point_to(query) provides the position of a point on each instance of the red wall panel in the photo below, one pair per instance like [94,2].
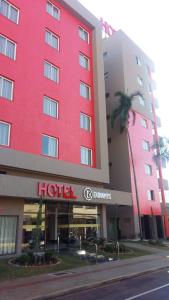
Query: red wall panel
[25,112]
[142,157]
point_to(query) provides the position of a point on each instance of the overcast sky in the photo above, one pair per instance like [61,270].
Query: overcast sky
[146,22]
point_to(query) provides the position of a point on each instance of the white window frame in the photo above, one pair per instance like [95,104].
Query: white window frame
[6,40]
[57,145]
[52,66]
[81,29]
[87,86]
[57,107]
[146,145]
[86,116]
[1,88]
[52,35]
[53,6]
[90,150]
[81,55]
[11,5]
[144,123]
[148,169]
[149,195]
[140,80]
[9,132]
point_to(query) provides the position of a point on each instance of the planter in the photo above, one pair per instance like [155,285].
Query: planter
[12,262]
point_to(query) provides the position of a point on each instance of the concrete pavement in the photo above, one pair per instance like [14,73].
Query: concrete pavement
[42,286]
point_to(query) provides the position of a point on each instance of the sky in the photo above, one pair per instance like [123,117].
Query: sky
[146,22]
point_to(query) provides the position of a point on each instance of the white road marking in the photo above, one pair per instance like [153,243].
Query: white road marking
[148,292]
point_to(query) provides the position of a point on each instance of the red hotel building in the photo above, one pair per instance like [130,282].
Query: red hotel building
[53,135]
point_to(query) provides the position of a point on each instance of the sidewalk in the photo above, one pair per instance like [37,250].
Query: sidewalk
[42,286]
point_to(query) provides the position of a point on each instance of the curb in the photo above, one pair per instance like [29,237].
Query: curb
[95,284]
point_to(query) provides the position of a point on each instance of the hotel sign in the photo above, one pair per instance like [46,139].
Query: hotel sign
[106,27]
[52,190]
[89,194]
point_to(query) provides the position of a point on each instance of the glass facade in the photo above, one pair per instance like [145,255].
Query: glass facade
[67,220]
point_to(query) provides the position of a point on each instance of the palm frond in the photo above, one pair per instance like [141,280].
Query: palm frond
[135,94]
[123,110]
[162,147]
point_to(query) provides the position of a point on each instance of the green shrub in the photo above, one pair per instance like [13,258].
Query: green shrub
[155,242]
[24,259]
[50,257]
[122,248]
[108,248]
[112,248]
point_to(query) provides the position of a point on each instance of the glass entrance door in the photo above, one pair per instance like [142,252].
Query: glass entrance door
[78,221]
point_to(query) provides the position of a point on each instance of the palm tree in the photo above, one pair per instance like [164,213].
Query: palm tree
[122,113]
[162,147]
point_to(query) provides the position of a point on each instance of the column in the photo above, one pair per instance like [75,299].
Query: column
[103,221]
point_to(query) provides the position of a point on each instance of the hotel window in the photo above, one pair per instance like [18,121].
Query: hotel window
[86,156]
[9,11]
[6,88]
[143,123]
[4,133]
[148,169]
[8,233]
[141,100]
[84,35]
[7,47]
[51,72]
[84,90]
[51,39]
[85,122]
[53,10]
[84,61]
[150,195]
[139,80]
[138,61]
[49,146]
[50,107]
[146,145]
[105,54]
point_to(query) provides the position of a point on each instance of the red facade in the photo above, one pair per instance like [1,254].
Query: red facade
[25,111]
[145,182]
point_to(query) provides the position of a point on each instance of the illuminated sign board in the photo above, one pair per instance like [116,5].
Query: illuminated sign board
[106,27]
[53,190]
[89,194]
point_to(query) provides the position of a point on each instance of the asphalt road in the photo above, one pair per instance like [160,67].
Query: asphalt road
[152,286]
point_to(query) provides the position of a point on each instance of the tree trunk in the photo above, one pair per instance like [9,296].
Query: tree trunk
[135,184]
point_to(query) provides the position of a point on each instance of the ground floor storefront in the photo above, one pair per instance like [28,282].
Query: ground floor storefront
[71,212]
[152,227]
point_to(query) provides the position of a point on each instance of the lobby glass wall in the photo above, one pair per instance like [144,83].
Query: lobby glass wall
[68,220]
[30,221]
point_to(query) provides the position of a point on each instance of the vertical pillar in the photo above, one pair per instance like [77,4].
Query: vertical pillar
[103,222]
[136,227]
[154,228]
[56,224]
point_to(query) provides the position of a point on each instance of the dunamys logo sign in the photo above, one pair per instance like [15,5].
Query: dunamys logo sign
[90,194]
